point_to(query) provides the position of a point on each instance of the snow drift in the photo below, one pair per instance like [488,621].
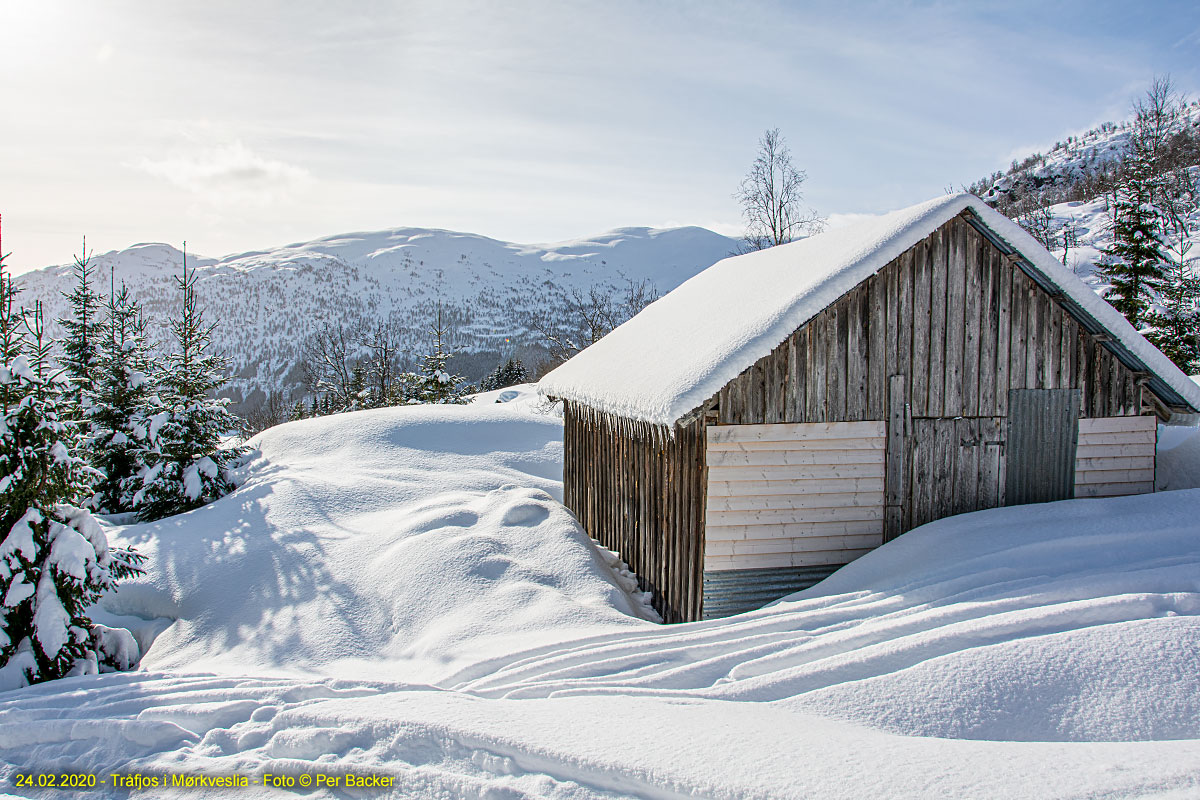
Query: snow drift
[418,532]
[397,592]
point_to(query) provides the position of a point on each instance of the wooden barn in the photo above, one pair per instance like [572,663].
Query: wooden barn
[784,412]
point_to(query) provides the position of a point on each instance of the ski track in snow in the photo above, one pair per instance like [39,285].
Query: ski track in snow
[1047,651]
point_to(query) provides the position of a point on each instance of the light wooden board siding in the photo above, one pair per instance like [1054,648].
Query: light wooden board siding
[1115,456]
[788,494]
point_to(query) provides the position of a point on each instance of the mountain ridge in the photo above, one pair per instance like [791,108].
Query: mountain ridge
[496,295]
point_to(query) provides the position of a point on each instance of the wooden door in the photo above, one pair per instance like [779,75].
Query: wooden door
[954,466]
[1043,430]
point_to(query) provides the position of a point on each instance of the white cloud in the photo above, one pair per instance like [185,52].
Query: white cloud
[229,174]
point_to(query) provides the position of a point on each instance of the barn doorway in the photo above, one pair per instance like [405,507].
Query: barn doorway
[955,466]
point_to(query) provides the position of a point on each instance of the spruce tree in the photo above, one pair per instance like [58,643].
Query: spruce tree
[510,373]
[54,558]
[1135,264]
[188,465]
[121,404]
[433,382]
[1177,326]
[81,334]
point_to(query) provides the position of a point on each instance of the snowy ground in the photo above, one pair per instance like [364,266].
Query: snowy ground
[399,593]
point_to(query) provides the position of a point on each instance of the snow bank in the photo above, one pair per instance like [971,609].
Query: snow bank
[459,635]
[1178,462]
[680,350]
[421,533]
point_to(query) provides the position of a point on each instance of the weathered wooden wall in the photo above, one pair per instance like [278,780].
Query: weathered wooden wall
[640,492]
[958,320]
[793,495]
[1115,456]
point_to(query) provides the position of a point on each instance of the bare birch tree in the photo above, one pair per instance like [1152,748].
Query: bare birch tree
[772,197]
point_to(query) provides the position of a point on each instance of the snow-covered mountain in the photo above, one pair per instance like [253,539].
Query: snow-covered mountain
[267,302]
[1063,196]
[1074,170]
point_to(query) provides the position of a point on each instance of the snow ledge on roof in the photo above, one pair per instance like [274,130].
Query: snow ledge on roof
[682,349]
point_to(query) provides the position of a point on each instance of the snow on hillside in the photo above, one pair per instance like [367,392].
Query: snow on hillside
[398,593]
[1068,163]
[266,302]
[1079,229]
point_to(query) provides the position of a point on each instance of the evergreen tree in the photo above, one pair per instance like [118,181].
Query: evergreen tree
[1136,262]
[188,464]
[433,382]
[81,337]
[54,558]
[122,402]
[510,373]
[1177,327]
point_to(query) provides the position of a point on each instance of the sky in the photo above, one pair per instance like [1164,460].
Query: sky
[243,125]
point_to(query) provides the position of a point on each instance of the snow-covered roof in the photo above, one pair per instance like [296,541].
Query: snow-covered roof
[682,349]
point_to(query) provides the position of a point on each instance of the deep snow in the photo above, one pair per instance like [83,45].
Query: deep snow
[398,592]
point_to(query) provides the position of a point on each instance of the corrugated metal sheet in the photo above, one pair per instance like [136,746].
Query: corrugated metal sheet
[1043,430]
[729,592]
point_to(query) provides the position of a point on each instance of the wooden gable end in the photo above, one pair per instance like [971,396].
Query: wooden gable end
[959,320]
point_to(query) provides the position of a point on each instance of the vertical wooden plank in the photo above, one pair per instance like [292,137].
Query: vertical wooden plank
[1100,375]
[1083,371]
[815,401]
[989,314]
[966,473]
[892,303]
[775,377]
[904,303]
[1067,370]
[697,465]
[1019,340]
[989,462]
[1131,399]
[894,489]
[923,449]
[955,320]
[791,380]
[835,373]
[877,371]
[1035,345]
[938,265]
[972,321]
[858,355]
[944,467]
[1003,328]
[1054,358]
[800,351]
[1116,386]
[919,383]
